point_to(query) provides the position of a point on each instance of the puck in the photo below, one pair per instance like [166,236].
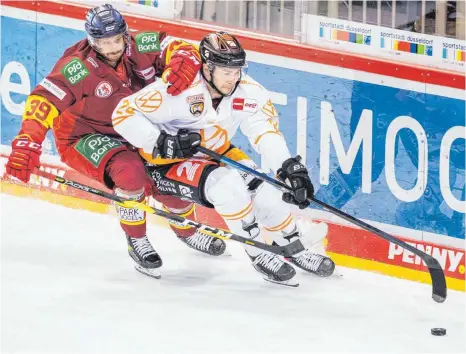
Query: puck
[438,331]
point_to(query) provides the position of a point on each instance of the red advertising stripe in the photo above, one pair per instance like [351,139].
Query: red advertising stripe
[363,244]
[268,46]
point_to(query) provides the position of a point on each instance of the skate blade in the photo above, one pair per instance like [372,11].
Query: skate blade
[290,282]
[207,255]
[152,272]
[225,254]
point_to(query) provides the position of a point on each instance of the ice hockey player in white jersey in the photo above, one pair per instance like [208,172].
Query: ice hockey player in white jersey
[222,99]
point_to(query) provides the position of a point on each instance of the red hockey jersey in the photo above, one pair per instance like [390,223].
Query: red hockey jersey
[80,93]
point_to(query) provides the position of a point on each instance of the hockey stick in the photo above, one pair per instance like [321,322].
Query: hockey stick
[284,251]
[439,286]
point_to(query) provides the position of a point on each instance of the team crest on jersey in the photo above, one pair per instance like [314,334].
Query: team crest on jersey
[196,104]
[244,104]
[196,108]
[103,89]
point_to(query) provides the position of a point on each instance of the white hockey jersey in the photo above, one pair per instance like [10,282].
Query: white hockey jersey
[139,118]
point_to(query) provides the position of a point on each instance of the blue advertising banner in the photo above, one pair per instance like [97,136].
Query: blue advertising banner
[381,153]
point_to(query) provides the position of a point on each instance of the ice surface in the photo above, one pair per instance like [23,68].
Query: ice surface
[68,286]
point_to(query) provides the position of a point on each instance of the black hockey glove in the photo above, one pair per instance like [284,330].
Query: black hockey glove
[297,176]
[179,146]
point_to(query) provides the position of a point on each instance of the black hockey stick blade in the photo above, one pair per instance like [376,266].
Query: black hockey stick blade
[439,285]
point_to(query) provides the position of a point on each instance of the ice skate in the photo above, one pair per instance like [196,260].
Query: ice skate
[146,259]
[205,243]
[311,262]
[271,266]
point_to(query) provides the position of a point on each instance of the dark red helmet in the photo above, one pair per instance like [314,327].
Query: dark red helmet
[222,49]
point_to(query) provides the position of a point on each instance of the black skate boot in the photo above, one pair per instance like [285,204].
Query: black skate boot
[310,262]
[205,243]
[146,259]
[198,239]
[271,266]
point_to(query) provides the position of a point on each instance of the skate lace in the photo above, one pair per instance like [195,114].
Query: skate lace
[200,241]
[143,247]
[269,261]
[309,260]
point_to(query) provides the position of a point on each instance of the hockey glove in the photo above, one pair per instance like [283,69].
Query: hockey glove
[24,158]
[181,70]
[179,146]
[296,175]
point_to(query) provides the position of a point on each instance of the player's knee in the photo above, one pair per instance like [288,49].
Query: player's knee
[174,204]
[127,171]
[224,185]
[269,199]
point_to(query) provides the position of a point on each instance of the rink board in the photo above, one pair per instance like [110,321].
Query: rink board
[384,141]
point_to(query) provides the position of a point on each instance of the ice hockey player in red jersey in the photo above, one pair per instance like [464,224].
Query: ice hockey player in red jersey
[76,101]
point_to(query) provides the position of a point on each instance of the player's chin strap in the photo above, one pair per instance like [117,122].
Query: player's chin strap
[285,251]
[439,287]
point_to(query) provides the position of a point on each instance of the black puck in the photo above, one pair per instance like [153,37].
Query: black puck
[438,331]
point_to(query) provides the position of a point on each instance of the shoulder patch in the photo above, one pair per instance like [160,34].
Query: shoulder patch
[52,88]
[244,104]
[93,62]
[75,71]
[147,42]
